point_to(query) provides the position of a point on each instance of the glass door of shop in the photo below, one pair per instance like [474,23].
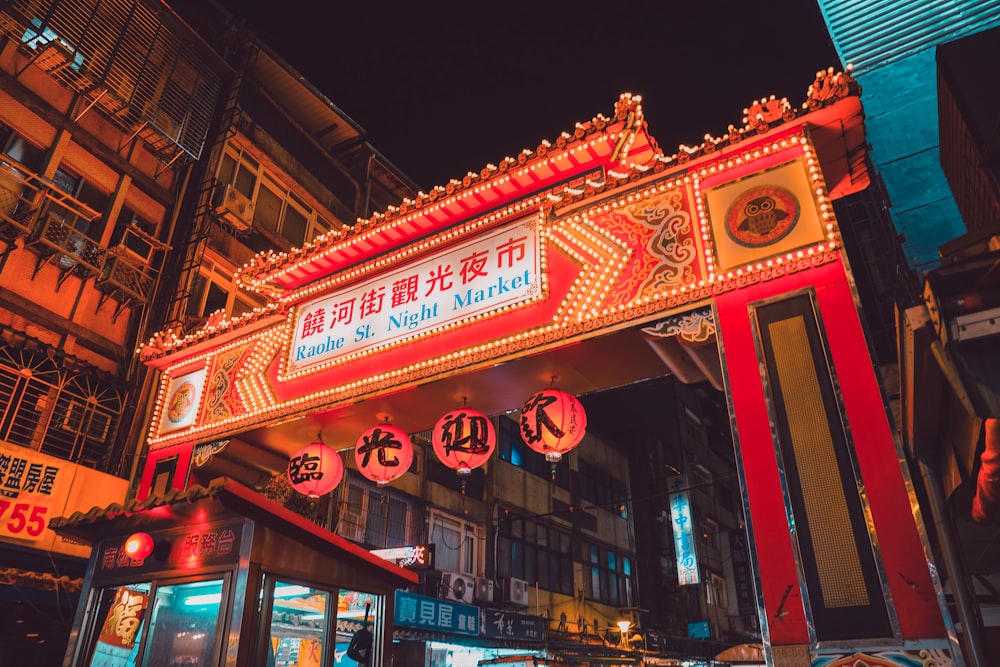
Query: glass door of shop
[158,624]
[312,627]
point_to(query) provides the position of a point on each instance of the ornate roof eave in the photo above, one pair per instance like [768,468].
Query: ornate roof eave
[176,507]
[618,143]
[832,112]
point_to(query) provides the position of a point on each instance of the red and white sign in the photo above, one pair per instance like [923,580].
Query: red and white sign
[496,270]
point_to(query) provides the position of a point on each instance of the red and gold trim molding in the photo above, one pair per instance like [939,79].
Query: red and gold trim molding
[558,173]
[616,259]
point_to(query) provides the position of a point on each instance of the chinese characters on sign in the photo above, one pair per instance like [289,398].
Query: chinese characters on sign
[742,573]
[35,487]
[425,613]
[508,625]
[29,495]
[497,269]
[116,642]
[414,557]
[680,521]
[124,618]
[210,545]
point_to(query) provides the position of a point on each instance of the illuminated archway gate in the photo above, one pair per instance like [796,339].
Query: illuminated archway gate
[600,233]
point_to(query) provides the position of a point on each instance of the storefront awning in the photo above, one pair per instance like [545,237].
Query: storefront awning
[223,497]
[743,654]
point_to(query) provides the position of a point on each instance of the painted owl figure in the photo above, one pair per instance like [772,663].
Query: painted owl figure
[761,216]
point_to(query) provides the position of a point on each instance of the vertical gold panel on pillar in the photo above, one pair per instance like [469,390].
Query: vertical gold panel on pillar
[841,580]
[837,560]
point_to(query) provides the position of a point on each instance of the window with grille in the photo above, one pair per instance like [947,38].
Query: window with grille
[377,517]
[74,416]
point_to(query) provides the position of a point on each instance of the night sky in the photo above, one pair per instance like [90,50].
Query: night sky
[446,88]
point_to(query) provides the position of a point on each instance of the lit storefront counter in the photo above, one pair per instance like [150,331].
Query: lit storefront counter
[224,576]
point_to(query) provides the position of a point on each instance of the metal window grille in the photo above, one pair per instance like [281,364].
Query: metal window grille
[70,415]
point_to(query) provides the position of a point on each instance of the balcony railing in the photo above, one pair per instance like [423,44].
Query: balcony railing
[137,63]
[32,208]
[67,248]
[126,275]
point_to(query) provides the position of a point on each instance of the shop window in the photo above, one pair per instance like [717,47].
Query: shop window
[709,533]
[701,478]
[377,517]
[121,620]
[84,414]
[385,524]
[184,624]
[356,611]
[163,624]
[72,416]
[82,219]
[20,150]
[19,185]
[29,385]
[299,624]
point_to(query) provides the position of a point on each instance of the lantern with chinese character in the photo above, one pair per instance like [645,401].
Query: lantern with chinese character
[553,423]
[464,439]
[383,453]
[315,470]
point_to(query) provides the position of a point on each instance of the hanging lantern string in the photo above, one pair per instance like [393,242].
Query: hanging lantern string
[465,510]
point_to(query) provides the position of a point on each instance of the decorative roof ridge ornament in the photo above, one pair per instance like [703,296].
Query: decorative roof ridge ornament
[766,114]
[165,341]
[628,121]
[831,86]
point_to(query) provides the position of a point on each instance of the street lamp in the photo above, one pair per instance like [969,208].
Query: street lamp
[623,626]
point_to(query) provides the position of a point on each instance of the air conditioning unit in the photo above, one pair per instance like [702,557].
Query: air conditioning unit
[515,591]
[458,587]
[484,590]
[234,207]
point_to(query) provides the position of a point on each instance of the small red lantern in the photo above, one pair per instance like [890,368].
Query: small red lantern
[139,546]
[553,423]
[464,439]
[383,453]
[315,470]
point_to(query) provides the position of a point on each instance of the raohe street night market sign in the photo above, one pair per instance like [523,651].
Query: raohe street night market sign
[497,269]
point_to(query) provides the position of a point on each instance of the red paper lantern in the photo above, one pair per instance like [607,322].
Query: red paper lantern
[315,470]
[464,439]
[383,453]
[139,546]
[553,423]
